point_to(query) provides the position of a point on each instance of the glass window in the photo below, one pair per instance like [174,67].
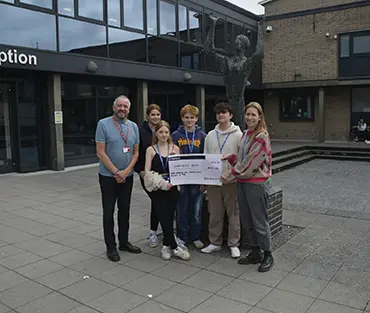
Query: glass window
[133,14]
[151,13]
[10,1]
[162,51]
[361,44]
[127,45]
[195,29]
[40,32]
[91,9]
[106,95]
[219,32]
[40,3]
[183,23]
[361,100]
[167,17]
[66,7]
[114,12]
[82,37]
[344,46]
[191,57]
[296,106]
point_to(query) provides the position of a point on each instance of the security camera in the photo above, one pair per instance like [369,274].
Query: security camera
[269,29]
[327,35]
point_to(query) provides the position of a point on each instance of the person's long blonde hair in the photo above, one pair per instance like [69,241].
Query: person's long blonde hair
[261,126]
[158,126]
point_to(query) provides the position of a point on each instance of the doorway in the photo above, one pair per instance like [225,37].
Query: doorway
[6,133]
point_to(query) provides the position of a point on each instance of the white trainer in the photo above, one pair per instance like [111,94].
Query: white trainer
[198,244]
[211,248]
[181,253]
[166,253]
[153,240]
[235,252]
[180,243]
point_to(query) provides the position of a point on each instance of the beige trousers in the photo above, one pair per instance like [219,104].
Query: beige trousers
[223,199]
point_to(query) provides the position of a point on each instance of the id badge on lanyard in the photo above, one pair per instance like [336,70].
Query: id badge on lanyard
[126,148]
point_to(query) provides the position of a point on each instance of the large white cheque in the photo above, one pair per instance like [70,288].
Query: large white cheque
[195,169]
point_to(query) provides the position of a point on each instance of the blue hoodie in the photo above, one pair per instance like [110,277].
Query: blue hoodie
[179,139]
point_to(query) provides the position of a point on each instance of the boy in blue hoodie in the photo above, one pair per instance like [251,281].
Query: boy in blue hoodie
[190,139]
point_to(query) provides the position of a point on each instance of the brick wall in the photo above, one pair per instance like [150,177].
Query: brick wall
[299,46]
[287,6]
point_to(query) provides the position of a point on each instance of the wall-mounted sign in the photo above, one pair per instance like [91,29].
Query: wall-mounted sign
[13,57]
[58,117]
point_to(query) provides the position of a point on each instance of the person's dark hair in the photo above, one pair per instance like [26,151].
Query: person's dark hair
[223,107]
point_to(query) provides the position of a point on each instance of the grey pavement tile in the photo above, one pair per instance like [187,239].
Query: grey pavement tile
[19,260]
[10,279]
[340,213]
[4,309]
[284,263]
[42,247]
[244,291]
[117,301]
[258,310]
[154,307]
[86,290]
[359,259]
[329,222]
[59,236]
[83,229]
[61,279]
[3,269]
[51,303]
[368,307]
[285,302]
[198,259]
[93,266]
[83,309]
[77,241]
[9,250]
[296,251]
[42,230]
[317,270]
[362,215]
[97,248]
[208,281]
[38,269]
[354,277]
[271,278]
[320,306]
[68,224]
[148,285]
[23,293]
[175,271]
[146,263]
[120,275]
[12,235]
[217,304]
[70,257]
[345,295]
[304,285]
[183,298]
[229,267]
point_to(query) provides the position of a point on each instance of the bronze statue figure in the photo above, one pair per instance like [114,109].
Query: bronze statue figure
[237,68]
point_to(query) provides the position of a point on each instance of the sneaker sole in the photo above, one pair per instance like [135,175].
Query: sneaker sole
[153,245]
[209,252]
[267,269]
[249,262]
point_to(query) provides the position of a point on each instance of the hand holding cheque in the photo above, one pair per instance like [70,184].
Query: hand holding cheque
[195,169]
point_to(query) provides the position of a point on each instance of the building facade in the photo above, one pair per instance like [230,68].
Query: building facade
[316,68]
[63,62]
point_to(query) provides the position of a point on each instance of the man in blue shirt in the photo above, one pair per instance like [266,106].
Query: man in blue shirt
[117,147]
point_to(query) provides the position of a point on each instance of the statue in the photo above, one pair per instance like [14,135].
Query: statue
[236,68]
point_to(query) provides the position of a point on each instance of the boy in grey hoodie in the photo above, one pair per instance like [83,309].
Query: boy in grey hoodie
[223,139]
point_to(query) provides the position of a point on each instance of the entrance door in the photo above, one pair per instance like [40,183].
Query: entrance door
[6,153]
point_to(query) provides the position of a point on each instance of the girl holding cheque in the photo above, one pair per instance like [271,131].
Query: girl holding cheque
[164,196]
[252,170]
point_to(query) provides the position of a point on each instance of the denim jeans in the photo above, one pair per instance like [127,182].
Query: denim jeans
[189,213]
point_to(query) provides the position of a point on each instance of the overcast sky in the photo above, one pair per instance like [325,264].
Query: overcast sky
[250,5]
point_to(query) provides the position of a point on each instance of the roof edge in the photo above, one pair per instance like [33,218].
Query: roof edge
[263,2]
[236,8]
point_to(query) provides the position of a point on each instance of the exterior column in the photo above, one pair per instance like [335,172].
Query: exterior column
[201,103]
[142,100]
[321,115]
[56,122]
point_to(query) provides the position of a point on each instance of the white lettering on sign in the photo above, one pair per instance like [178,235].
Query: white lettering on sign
[12,57]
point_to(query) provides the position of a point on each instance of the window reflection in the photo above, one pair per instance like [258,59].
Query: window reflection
[40,32]
[91,9]
[82,37]
[167,17]
[127,45]
[106,96]
[162,51]
[66,7]
[10,1]
[195,28]
[219,32]
[40,3]
[183,23]
[151,12]
[191,57]
[114,12]
[133,15]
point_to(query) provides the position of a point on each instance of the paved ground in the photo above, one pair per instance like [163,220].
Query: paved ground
[52,256]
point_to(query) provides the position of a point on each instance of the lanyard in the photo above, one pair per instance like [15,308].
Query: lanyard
[161,158]
[223,144]
[245,145]
[120,130]
[192,143]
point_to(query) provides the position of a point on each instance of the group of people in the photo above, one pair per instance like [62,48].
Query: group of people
[362,131]
[123,147]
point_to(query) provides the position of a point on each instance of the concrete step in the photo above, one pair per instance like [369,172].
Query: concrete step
[291,163]
[289,156]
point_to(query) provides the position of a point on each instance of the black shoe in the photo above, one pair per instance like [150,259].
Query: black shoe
[113,255]
[130,248]
[267,263]
[254,257]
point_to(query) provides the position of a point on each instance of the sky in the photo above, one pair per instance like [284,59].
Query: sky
[250,5]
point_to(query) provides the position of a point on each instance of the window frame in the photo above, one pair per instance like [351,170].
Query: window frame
[284,95]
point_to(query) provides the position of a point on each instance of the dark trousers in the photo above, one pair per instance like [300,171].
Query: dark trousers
[154,221]
[164,205]
[113,192]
